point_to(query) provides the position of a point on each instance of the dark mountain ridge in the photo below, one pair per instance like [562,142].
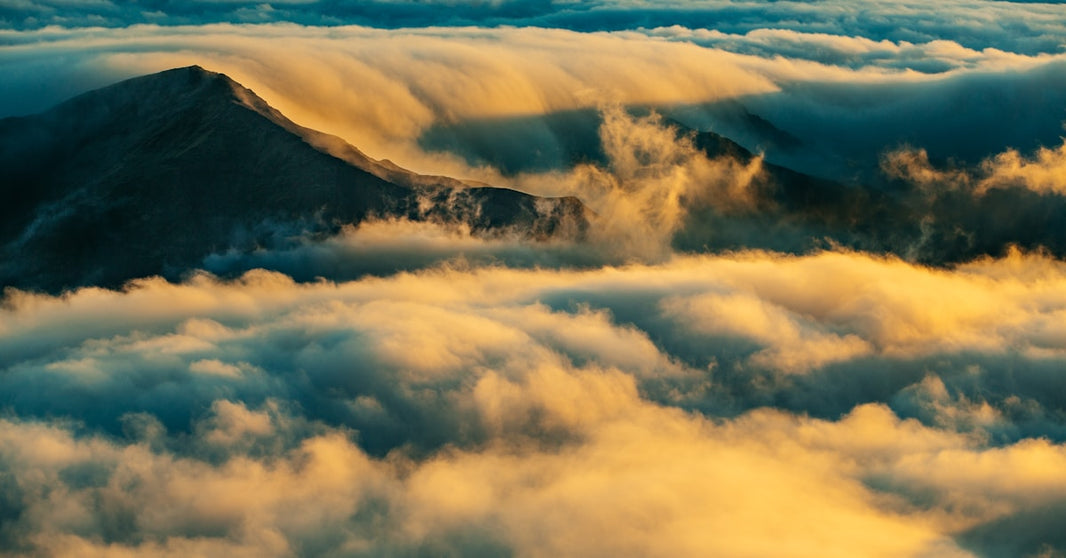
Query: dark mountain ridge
[936,224]
[150,175]
[792,211]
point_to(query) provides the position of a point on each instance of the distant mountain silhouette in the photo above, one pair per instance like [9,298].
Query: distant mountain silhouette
[150,175]
[939,225]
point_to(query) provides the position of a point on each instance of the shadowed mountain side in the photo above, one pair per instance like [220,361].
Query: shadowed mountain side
[150,175]
[792,210]
[561,139]
[797,212]
[523,143]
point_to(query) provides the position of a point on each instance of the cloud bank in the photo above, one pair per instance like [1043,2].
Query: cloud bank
[1024,27]
[500,411]
[736,361]
[823,103]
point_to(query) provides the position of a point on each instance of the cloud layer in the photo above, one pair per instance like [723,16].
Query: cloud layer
[824,103]
[1024,27]
[411,389]
[502,411]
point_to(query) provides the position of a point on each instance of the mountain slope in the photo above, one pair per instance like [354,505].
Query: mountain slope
[150,175]
[937,224]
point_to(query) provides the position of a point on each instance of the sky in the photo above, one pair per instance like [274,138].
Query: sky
[699,376]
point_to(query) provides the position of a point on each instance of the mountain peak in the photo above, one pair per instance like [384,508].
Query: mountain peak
[194,74]
[153,174]
[194,77]
[195,68]
[150,96]
[191,77]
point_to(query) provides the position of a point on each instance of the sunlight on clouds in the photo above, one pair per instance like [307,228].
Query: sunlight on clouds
[652,178]
[471,409]
[639,198]
[1043,172]
[794,344]
[804,311]
[690,488]
[424,389]
[931,56]
[379,89]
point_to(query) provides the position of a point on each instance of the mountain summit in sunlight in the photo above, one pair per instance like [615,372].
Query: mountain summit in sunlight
[151,175]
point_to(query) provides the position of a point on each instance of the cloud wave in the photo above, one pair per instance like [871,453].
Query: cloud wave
[497,410]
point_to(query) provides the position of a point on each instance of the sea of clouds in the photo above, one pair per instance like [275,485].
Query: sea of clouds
[411,389]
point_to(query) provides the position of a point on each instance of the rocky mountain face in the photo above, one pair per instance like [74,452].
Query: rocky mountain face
[150,175]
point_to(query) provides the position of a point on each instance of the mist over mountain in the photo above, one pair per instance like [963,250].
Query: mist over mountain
[937,221]
[151,175]
[187,169]
[754,279]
